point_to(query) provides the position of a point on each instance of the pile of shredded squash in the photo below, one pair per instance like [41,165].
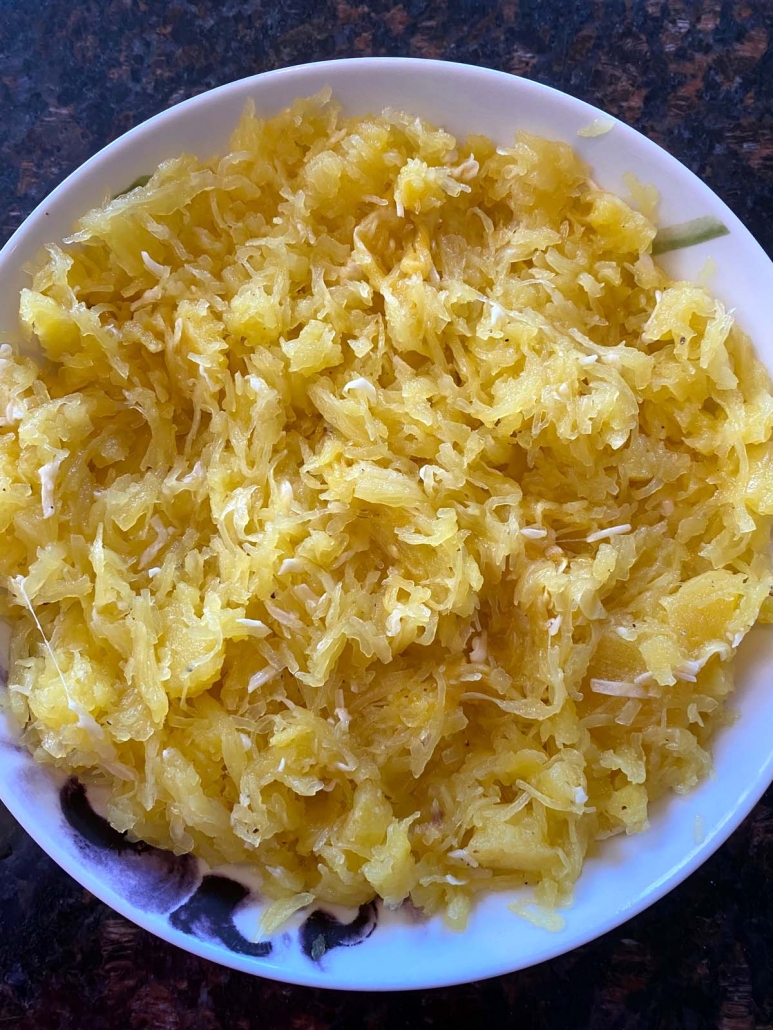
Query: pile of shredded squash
[379,513]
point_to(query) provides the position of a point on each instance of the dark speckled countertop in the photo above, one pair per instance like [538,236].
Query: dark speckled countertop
[697,77]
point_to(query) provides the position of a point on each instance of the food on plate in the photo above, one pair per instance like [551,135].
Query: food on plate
[378,513]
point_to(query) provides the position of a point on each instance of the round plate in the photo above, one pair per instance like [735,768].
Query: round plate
[215,913]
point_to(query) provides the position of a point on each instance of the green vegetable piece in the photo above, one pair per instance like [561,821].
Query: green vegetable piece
[318,948]
[141,180]
[687,234]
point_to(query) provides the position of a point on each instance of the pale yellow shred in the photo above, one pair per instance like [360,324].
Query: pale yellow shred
[279,911]
[645,196]
[544,918]
[699,829]
[391,517]
[598,127]
[708,272]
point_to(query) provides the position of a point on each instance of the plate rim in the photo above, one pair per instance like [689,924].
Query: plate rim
[554,946]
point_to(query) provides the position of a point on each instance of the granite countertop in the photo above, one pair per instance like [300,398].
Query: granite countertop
[695,76]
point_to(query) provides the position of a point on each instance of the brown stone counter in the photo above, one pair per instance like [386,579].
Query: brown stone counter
[696,77]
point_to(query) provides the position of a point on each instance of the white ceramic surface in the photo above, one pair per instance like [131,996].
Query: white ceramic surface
[628,874]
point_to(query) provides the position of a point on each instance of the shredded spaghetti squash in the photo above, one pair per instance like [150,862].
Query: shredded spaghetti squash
[379,513]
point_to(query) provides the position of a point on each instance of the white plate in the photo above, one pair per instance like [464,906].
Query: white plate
[214,918]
